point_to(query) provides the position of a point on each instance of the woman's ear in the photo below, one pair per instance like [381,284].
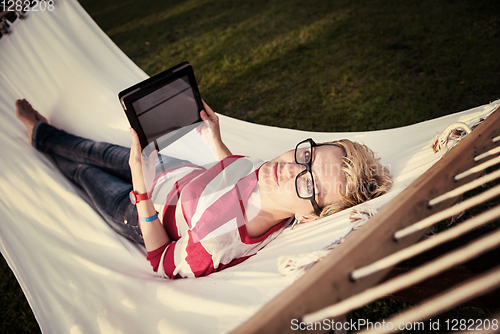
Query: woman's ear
[306,218]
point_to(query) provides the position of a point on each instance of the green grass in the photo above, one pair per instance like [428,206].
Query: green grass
[15,314]
[322,65]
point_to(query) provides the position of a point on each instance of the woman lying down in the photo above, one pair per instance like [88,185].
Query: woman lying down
[195,220]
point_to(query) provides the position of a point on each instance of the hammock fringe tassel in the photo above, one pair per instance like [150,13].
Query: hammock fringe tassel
[297,264]
[453,132]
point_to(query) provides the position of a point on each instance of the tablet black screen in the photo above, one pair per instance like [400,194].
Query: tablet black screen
[167,109]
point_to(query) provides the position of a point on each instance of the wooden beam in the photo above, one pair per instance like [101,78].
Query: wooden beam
[328,281]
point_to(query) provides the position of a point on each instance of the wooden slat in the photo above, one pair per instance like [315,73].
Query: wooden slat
[429,244]
[450,278]
[328,281]
[420,274]
[446,300]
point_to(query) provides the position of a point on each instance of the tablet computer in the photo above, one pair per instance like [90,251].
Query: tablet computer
[164,107]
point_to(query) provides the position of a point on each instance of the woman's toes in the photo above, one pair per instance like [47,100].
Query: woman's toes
[25,113]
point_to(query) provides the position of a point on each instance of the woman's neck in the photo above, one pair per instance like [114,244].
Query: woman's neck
[260,225]
[264,218]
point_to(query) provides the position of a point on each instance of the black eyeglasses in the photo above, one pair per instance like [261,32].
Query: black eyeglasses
[304,182]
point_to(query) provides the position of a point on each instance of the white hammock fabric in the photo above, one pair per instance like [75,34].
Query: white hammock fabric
[77,274]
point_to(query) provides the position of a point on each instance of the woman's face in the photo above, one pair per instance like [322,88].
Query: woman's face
[277,181]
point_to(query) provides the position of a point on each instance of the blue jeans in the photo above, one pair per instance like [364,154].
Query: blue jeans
[100,169]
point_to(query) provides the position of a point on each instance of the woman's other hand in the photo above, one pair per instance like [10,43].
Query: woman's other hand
[209,116]
[210,131]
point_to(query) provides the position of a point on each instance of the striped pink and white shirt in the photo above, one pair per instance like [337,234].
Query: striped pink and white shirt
[203,213]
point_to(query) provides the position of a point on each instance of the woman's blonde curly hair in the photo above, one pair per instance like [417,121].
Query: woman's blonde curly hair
[365,176]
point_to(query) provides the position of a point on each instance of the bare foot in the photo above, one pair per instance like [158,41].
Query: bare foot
[28,115]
